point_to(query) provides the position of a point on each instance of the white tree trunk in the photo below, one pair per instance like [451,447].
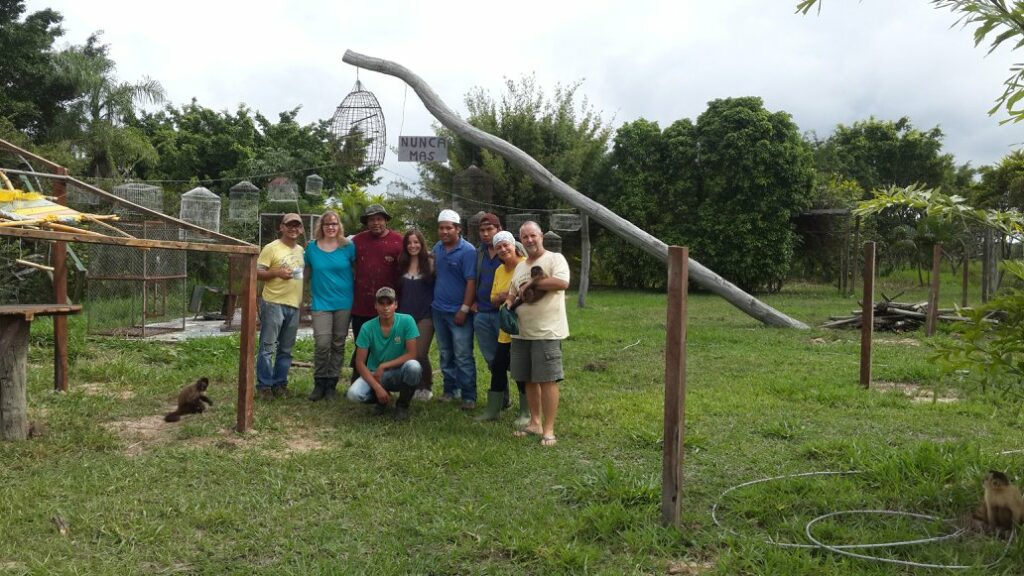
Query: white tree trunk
[617,224]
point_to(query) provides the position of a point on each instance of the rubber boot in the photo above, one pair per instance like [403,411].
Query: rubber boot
[330,388]
[506,401]
[493,408]
[319,390]
[402,405]
[524,412]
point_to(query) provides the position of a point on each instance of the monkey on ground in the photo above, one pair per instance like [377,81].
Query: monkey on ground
[531,293]
[1002,508]
[190,400]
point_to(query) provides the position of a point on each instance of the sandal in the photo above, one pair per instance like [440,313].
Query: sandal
[548,440]
[526,431]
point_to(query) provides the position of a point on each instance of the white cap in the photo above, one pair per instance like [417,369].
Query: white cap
[449,216]
[503,236]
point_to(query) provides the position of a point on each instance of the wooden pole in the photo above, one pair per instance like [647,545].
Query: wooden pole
[933,294]
[584,261]
[853,252]
[867,314]
[247,350]
[986,264]
[625,229]
[964,285]
[58,259]
[675,387]
[13,366]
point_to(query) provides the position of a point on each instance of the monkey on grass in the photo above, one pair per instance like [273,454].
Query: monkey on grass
[1002,508]
[531,293]
[190,400]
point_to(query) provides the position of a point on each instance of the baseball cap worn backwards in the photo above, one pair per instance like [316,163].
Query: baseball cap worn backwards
[449,216]
[490,218]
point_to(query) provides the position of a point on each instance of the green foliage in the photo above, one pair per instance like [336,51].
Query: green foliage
[1002,185]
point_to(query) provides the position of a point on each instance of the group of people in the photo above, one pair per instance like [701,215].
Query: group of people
[398,295]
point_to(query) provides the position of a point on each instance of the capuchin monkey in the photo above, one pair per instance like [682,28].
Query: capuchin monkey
[531,294]
[1004,507]
[190,400]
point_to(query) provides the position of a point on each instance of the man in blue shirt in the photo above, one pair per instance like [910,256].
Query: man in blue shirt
[454,292]
[386,358]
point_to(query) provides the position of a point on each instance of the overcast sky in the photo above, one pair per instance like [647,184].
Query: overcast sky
[660,60]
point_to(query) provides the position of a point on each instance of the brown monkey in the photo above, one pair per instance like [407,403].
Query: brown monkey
[531,294]
[190,400]
[1004,506]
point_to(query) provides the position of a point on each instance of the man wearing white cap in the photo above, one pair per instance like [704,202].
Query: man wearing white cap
[454,291]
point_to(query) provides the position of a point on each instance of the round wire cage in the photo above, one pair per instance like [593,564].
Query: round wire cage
[552,241]
[566,221]
[201,207]
[243,201]
[314,185]
[282,191]
[145,195]
[514,221]
[473,184]
[358,124]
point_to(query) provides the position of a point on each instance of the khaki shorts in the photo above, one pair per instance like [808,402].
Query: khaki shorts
[536,360]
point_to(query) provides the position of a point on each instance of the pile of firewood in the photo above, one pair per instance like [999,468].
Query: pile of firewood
[892,316]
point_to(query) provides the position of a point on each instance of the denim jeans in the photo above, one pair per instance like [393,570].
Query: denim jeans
[278,326]
[455,348]
[406,376]
[486,326]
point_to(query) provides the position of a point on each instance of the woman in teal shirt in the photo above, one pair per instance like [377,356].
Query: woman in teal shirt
[329,259]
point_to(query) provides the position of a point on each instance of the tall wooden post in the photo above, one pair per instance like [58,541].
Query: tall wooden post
[58,259]
[675,387]
[933,294]
[986,266]
[853,255]
[584,261]
[247,349]
[867,315]
[13,367]
[965,283]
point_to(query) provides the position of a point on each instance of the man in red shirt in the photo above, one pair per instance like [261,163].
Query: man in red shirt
[376,266]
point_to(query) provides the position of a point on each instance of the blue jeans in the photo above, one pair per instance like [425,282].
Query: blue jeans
[278,326]
[486,326]
[455,348]
[406,376]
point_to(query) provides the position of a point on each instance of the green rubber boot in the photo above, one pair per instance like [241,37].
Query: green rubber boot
[524,413]
[493,408]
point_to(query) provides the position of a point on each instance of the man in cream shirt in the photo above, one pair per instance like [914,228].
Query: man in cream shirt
[279,266]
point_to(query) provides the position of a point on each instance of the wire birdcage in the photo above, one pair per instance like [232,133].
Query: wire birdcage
[145,195]
[472,184]
[133,292]
[79,199]
[514,221]
[566,221]
[282,191]
[314,185]
[358,123]
[552,241]
[201,207]
[243,201]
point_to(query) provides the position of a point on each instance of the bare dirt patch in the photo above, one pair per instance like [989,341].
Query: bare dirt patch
[897,341]
[915,392]
[103,389]
[142,433]
[685,568]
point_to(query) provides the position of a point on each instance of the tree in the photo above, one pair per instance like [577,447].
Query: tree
[991,19]
[567,137]
[32,89]
[1002,185]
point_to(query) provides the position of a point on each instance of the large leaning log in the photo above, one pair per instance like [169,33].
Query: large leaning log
[617,224]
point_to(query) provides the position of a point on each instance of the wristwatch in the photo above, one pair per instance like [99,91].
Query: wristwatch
[464,309]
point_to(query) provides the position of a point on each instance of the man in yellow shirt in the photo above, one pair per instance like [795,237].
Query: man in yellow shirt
[279,266]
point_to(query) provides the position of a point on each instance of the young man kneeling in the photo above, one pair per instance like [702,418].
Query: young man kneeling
[386,358]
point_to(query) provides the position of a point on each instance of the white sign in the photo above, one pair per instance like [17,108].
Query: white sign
[422,149]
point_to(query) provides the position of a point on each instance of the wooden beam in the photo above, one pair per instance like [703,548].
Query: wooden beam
[59,259]
[933,294]
[134,242]
[584,261]
[13,372]
[675,388]
[247,349]
[5,145]
[867,314]
[617,224]
[965,283]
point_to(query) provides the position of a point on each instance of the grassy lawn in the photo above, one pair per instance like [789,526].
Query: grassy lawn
[329,488]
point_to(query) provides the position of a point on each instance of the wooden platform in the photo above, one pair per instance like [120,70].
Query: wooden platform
[30,311]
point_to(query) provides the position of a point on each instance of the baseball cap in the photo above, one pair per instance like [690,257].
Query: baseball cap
[447,215]
[490,218]
[291,217]
[386,292]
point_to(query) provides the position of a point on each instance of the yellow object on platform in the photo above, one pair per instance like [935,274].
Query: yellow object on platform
[19,205]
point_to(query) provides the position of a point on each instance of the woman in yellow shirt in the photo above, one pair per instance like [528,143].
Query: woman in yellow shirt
[505,244]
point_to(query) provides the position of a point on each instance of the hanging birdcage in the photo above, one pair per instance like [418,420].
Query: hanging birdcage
[145,195]
[243,202]
[358,124]
[552,241]
[472,184]
[566,221]
[514,221]
[282,191]
[201,207]
[314,185]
